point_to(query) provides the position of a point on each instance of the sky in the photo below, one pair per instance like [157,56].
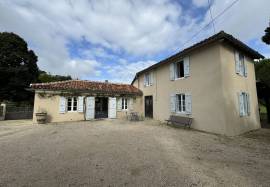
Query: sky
[114,39]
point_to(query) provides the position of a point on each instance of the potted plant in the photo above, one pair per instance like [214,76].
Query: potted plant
[41,117]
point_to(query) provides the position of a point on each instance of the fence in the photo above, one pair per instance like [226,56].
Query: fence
[18,111]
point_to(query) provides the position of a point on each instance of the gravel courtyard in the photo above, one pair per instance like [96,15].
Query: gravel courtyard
[121,153]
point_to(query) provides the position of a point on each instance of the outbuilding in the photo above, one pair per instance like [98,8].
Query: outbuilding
[76,100]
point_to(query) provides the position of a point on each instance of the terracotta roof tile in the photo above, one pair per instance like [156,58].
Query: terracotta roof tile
[88,86]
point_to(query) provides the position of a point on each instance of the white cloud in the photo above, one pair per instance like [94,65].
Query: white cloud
[82,68]
[125,72]
[136,28]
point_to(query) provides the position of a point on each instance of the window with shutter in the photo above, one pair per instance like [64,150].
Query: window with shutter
[72,104]
[244,104]
[181,103]
[240,64]
[147,79]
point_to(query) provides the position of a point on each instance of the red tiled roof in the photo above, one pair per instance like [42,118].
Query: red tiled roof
[88,86]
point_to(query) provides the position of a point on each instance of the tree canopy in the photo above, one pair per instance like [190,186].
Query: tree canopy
[266,37]
[262,69]
[18,67]
[47,77]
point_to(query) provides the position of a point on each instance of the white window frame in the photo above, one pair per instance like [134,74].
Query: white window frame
[124,103]
[181,104]
[72,104]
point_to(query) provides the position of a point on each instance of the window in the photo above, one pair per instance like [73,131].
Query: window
[72,104]
[244,104]
[179,69]
[124,104]
[148,79]
[180,103]
[241,68]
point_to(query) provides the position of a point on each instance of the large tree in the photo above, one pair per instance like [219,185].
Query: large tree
[18,68]
[263,83]
[266,37]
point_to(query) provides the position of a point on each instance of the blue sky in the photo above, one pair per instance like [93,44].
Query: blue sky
[113,39]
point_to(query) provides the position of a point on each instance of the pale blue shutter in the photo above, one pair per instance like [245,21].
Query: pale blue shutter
[186,67]
[130,107]
[119,103]
[241,104]
[112,107]
[80,104]
[188,103]
[144,80]
[172,71]
[245,66]
[90,108]
[237,62]
[62,105]
[248,104]
[151,78]
[173,103]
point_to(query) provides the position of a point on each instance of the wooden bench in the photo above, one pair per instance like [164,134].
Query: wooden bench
[179,120]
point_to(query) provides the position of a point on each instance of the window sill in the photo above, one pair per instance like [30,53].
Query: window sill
[181,78]
[245,115]
[241,75]
[72,111]
[183,113]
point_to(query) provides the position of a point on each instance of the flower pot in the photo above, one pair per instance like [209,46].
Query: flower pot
[41,117]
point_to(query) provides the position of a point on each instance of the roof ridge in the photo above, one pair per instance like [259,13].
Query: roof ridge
[76,80]
[220,35]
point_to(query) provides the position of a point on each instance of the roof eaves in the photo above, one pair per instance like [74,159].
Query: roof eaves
[214,38]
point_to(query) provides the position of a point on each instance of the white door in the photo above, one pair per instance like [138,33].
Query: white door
[90,108]
[112,107]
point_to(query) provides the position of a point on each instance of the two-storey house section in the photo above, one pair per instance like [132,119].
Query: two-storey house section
[213,82]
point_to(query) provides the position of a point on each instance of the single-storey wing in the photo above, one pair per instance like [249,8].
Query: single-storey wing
[75,100]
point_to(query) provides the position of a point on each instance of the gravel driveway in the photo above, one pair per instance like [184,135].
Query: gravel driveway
[121,153]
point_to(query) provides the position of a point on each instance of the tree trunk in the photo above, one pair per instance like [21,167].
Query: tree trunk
[267,104]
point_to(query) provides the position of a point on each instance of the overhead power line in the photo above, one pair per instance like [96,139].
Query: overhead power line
[210,11]
[220,14]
